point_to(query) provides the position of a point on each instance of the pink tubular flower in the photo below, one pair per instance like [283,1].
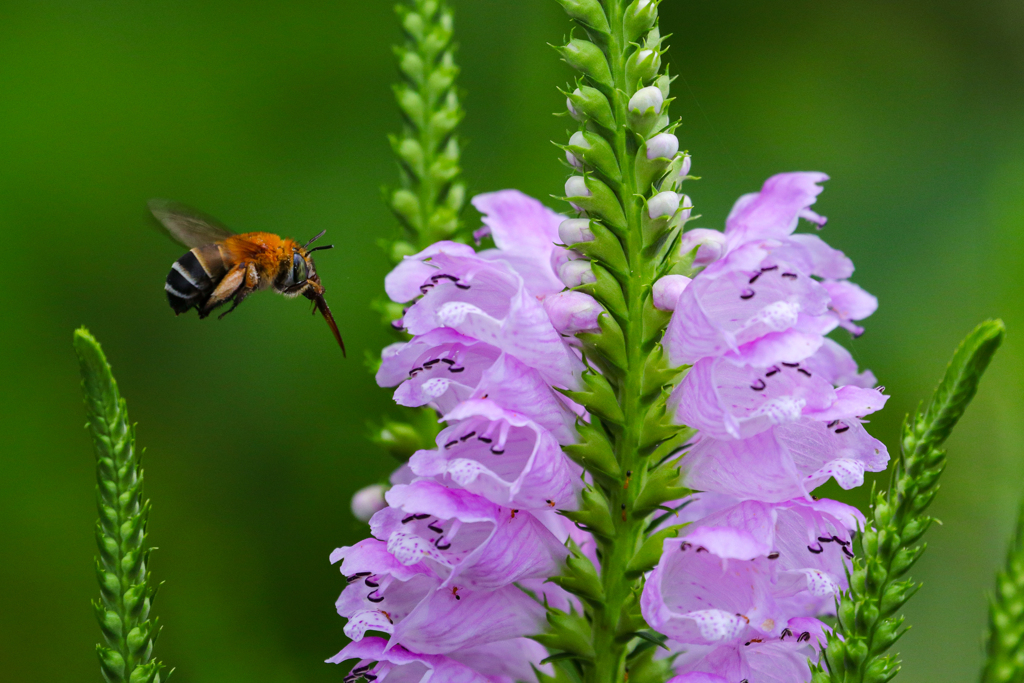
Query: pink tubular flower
[503,456]
[757,300]
[776,660]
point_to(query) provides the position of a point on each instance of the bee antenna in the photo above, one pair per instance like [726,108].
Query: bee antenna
[326,246]
[321,234]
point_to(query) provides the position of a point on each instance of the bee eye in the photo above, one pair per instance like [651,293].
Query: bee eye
[298,269]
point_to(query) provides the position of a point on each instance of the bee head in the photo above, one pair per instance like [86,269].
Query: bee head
[299,277]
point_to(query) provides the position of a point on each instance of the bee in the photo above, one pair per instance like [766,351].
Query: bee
[222,267]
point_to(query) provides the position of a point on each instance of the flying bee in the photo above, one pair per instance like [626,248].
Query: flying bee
[222,267]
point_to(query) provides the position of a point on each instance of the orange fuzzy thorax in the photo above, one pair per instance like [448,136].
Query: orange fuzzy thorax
[265,250]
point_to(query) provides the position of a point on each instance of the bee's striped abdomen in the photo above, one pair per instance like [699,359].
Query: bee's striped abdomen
[193,278]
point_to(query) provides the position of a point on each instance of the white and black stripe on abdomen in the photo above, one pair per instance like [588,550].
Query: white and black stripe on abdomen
[189,283]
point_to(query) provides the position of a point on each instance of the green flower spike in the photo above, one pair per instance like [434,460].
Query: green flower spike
[1004,644]
[126,594]
[868,613]
[431,195]
[629,224]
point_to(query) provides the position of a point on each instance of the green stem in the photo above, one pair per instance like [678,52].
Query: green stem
[1004,643]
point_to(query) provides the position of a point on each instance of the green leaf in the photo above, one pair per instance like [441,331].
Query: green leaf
[649,554]
[1004,640]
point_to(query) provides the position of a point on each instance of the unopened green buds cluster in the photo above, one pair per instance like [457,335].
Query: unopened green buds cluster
[868,613]
[126,594]
[431,196]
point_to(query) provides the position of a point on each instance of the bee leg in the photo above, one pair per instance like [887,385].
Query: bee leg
[240,296]
[227,288]
[251,284]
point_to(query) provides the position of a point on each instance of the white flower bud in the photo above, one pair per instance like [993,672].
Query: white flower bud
[575,230]
[687,208]
[576,273]
[577,140]
[663,204]
[572,312]
[685,170]
[576,186]
[572,110]
[368,501]
[667,291]
[662,146]
[647,98]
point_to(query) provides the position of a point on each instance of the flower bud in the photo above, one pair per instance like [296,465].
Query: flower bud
[572,312]
[591,103]
[368,501]
[584,56]
[685,170]
[639,18]
[711,245]
[577,140]
[587,12]
[572,110]
[574,231]
[667,291]
[663,204]
[576,186]
[646,99]
[643,66]
[662,146]
[687,209]
[576,273]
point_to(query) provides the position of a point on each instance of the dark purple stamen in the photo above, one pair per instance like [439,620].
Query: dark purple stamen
[425,288]
[825,539]
[442,547]
[448,361]
[792,365]
[773,555]
[497,452]
[461,286]
[755,386]
[804,637]
[832,424]
[791,276]
[785,632]
[444,276]
[840,541]
[842,429]
[361,669]
[765,270]
[451,443]
[379,598]
[371,584]
[804,372]
[467,436]
[685,546]
[754,279]
[817,551]
[435,529]
[431,363]
[701,549]
[773,371]
[396,324]
[848,552]
[747,294]
[455,369]
[370,677]
[485,439]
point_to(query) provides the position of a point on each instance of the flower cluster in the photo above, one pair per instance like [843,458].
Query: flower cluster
[454,572]
[779,410]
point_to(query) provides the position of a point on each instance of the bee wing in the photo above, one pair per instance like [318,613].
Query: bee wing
[186,225]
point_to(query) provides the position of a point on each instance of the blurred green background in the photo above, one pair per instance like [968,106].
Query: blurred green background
[272,116]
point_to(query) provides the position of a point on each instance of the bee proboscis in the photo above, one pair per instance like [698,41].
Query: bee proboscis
[222,266]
